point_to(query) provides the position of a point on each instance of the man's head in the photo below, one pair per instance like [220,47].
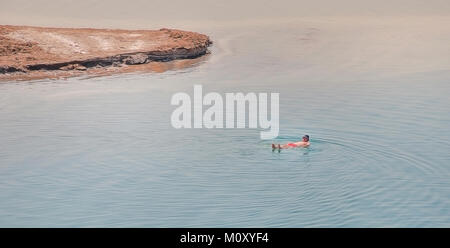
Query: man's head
[305,138]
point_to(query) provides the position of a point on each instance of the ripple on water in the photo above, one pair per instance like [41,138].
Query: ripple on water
[360,181]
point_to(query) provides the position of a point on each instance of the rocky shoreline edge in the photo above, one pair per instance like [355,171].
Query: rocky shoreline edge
[34,52]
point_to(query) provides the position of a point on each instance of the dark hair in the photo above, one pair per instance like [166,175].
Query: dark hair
[306,136]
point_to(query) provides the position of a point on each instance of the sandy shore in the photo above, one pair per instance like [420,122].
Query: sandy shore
[35,52]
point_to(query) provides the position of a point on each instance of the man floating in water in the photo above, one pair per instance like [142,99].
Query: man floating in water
[303,143]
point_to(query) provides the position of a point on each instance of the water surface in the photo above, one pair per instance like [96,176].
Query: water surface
[372,94]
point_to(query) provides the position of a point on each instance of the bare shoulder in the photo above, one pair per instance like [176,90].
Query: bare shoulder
[302,143]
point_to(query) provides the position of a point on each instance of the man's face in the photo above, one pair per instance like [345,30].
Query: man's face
[305,139]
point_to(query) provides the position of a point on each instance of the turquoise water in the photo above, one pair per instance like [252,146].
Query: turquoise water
[101,152]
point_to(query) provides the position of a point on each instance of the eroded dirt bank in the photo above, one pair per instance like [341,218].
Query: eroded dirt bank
[36,52]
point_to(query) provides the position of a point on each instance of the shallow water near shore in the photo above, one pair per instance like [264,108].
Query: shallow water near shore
[373,96]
